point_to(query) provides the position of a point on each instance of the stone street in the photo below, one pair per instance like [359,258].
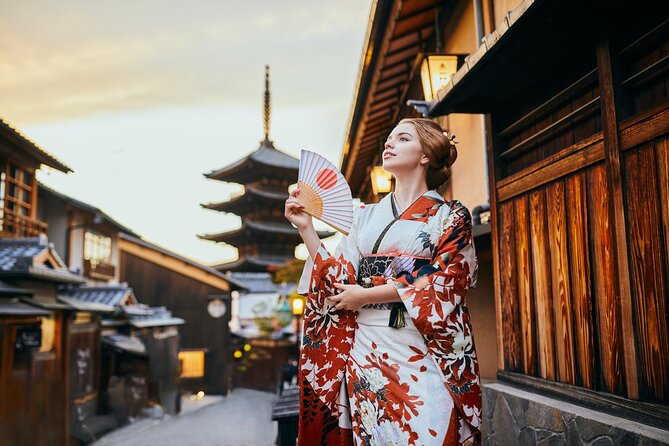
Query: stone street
[244,418]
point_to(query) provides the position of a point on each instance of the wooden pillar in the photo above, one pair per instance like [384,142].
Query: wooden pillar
[492,191]
[609,94]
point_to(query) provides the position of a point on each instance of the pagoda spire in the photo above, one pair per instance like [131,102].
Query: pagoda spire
[267,104]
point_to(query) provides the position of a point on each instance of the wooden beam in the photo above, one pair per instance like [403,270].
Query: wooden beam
[548,172]
[609,107]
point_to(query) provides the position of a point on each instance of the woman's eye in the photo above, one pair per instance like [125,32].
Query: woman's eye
[403,139]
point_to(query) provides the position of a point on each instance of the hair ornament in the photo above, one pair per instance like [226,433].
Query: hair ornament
[450,136]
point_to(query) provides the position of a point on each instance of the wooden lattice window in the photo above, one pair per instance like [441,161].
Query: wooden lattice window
[97,247]
[18,185]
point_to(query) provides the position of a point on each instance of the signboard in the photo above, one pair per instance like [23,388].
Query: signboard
[28,337]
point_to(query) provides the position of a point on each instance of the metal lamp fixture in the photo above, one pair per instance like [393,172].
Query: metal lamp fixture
[381,180]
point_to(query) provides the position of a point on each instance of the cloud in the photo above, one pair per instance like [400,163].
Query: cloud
[75,58]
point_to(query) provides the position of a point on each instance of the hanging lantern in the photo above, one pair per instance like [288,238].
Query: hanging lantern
[381,180]
[435,72]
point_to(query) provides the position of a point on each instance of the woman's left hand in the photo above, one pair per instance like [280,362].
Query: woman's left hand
[352,297]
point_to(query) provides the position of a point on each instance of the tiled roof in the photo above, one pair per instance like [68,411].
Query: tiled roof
[266,154]
[260,283]
[112,295]
[17,259]
[253,263]
[9,290]
[250,229]
[9,307]
[130,344]
[160,316]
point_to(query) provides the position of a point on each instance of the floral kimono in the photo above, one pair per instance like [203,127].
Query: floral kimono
[398,373]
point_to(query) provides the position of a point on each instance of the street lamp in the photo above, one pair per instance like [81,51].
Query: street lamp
[381,180]
[297,303]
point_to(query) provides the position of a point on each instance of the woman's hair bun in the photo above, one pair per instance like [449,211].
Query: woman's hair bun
[439,146]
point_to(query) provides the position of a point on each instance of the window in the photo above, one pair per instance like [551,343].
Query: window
[18,190]
[192,363]
[97,248]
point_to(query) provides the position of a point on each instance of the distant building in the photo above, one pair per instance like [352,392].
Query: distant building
[199,295]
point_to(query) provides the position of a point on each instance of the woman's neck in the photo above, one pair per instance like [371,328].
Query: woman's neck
[407,191]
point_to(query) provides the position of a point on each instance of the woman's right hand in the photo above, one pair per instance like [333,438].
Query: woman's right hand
[294,212]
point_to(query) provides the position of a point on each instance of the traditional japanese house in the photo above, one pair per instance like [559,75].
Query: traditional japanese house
[265,238]
[402,39]
[195,293]
[576,104]
[139,351]
[50,356]
[20,158]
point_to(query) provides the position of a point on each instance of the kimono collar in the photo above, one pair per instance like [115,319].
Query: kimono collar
[431,196]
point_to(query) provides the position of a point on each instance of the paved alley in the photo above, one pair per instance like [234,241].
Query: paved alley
[244,418]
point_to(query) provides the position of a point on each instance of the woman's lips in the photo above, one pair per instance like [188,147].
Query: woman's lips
[388,155]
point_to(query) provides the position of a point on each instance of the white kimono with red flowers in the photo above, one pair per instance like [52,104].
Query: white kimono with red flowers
[400,373]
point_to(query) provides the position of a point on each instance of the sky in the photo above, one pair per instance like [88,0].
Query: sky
[141,98]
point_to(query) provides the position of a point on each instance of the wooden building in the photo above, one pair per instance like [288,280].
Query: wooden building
[199,295]
[139,354]
[50,352]
[560,109]
[20,158]
[400,34]
[265,238]
[576,103]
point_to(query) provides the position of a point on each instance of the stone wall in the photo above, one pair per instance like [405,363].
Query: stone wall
[517,417]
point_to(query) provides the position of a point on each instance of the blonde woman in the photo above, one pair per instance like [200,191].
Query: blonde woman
[388,354]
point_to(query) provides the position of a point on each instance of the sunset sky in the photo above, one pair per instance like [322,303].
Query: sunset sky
[141,98]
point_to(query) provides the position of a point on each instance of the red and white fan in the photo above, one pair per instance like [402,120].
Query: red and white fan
[324,192]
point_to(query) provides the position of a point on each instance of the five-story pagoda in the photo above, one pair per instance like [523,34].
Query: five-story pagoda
[265,238]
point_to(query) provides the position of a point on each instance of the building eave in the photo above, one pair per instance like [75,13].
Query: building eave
[44,157]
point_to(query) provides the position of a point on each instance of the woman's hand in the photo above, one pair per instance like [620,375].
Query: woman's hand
[352,297]
[294,212]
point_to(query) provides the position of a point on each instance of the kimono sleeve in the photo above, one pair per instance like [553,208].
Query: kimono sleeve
[327,334]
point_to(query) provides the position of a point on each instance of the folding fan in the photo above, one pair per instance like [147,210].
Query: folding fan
[324,192]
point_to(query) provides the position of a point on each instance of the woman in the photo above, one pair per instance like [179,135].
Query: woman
[388,354]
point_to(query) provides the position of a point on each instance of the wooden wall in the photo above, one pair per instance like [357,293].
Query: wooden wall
[185,298]
[581,221]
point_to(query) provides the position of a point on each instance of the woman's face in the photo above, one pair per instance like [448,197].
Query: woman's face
[403,151]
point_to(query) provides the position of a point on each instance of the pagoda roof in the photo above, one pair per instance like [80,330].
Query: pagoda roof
[253,263]
[251,229]
[273,161]
[250,195]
